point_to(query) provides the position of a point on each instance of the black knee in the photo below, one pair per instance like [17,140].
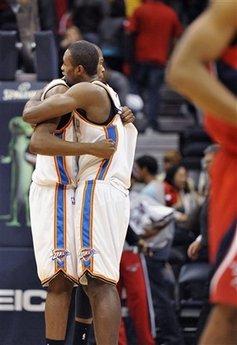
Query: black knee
[82,304]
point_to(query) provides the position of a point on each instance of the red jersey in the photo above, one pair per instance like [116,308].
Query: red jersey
[225,134]
[155,25]
[223,196]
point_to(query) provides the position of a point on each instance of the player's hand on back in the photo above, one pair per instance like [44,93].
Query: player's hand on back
[104,148]
[126,115]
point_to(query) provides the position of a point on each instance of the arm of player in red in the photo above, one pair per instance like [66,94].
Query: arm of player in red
[203,42]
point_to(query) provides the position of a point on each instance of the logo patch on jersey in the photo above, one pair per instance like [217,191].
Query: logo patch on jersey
[86,253]
[59,255]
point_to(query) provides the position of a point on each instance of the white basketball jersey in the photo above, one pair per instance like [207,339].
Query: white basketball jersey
[118,168]
[51,170]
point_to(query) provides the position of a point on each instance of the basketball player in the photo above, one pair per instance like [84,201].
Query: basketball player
[103,185]
[44,142]
[213,36]
[56,176]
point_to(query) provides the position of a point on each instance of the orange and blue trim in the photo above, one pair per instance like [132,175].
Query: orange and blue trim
[61,166]
[111,133]
[60,224]
[87,221]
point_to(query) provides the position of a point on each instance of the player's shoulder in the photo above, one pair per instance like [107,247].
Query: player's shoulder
[101,86]
[56,82]
[88,93]
[95,88]
[56,86]
[84,86]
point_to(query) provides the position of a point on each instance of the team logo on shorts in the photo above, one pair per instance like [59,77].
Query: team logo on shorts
[59,255]
[86,253]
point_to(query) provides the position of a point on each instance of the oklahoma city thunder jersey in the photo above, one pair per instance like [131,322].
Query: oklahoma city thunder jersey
[51,170]
[118,168]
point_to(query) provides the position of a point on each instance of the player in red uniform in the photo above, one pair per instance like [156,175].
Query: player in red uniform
[213,37]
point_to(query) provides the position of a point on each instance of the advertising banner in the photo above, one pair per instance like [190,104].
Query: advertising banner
[22,299]
[16,165]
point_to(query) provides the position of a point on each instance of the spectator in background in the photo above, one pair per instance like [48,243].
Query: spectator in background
[177,192]
[198,249]
[145,170]
[28,17]
[185,201]
[204,178]
[170,158]
[26,11]
[152,31]
[201,241]
[87,15]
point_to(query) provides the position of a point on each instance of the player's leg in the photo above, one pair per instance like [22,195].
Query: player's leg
[57,308]
[222,326]
[101,223]
[54,253]
[83,317]
[106,309]
[122,330]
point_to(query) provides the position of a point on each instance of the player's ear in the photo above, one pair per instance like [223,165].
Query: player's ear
[80,70]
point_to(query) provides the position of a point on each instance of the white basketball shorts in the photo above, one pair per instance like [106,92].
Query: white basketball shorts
[101,222]
[52,224]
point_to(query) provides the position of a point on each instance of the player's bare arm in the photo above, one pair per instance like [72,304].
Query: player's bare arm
[204,42]
[80,96]
[44,142]
[34,100]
